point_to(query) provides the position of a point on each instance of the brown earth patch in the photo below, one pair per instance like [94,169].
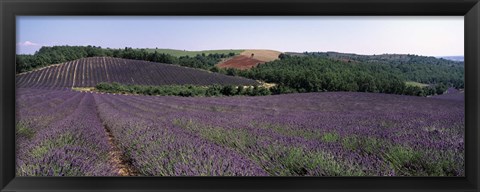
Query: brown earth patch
[240,62]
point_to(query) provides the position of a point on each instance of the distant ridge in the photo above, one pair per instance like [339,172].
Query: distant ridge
[453,58]
[382,58]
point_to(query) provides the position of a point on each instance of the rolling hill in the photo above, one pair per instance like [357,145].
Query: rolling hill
[87,72]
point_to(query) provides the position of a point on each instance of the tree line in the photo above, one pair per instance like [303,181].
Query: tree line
[60,54]
[184,90]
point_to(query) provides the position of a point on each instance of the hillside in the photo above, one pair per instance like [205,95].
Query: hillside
[87,72]
[250,58]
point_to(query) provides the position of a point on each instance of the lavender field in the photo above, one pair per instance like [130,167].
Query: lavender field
[69,133]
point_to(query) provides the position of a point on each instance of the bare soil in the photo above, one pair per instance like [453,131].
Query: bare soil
[240,62]
[249,58]
[118,159]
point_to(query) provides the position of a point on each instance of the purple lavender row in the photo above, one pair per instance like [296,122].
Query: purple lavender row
[267,149]
[156,148]
[363,133]
[37,114]
[72,142]
[324,134]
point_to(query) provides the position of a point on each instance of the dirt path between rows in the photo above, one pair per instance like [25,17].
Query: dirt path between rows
[118,159]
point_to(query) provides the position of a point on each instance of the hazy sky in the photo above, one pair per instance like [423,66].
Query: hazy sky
[432,36]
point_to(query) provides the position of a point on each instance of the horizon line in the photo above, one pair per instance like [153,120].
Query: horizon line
[213,49]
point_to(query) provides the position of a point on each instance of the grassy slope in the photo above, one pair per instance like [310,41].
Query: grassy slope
[178,53]
[264,55]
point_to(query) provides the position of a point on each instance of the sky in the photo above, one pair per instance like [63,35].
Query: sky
[368,35]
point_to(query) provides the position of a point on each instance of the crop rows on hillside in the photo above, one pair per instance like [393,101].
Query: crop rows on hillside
[88,72]
[321,134]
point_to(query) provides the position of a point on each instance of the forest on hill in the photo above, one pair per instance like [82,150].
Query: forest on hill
[383,58]
[313,73]
[423,69]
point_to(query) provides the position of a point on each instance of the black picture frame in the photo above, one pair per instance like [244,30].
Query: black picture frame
[470,9]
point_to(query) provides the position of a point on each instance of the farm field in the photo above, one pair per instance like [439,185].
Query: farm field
[452,94]
[69,133]
[239,62]
[267,96]
[88,72]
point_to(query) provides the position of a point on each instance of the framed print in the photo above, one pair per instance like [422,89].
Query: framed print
[239,95]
